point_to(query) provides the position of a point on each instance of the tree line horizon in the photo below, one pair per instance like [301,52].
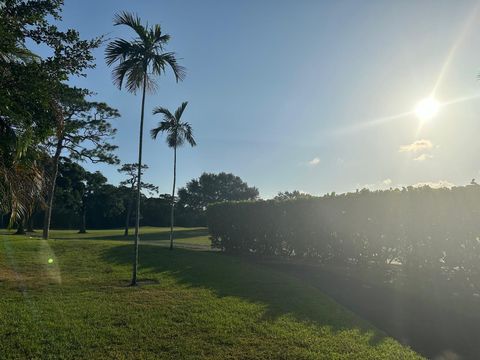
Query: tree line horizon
[86,200]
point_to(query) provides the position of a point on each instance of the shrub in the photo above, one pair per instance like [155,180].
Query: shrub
[420,228]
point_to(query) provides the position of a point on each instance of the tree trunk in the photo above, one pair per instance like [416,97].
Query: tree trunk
[173,195]
[20,228]
[139,182]
[30,224]
[51,190]
[129,212]
[83,221]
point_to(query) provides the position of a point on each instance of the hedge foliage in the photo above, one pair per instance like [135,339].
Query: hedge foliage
[417,227]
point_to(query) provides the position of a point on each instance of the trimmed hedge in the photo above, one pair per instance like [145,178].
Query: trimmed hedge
[436,229]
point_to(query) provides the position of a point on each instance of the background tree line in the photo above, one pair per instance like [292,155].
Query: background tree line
[85,200]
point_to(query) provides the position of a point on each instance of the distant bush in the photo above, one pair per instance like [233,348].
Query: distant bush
[421,228]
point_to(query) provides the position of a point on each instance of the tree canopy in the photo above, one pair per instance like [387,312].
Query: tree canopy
[30,90]
[210,188]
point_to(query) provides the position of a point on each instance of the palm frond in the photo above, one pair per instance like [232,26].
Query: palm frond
[21,186]
[163,126]
[120,71]
[164,111]
[178,132]
[160,62]
[133,21]
[142,58]
[180,110]
[19,54]
[135,76]
[121,50]
[188,134]
[157,37]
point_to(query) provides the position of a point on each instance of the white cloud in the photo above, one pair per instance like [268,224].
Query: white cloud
[418,145]
[423,157]
[388,183]
[435,185]
[314,162]
[381,185]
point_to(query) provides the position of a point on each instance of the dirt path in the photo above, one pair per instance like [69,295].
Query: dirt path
[424,326]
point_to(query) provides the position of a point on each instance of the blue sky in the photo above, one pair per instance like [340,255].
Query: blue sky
[281,92]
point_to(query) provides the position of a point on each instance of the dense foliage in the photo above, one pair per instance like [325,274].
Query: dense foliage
[434,230]
[32,91]
[85,200]
[84,133]
[210,188]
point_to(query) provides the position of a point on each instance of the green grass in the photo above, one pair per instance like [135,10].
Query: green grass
[183,237]
[198,305]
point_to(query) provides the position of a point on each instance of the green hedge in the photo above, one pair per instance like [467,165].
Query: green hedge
[417,227]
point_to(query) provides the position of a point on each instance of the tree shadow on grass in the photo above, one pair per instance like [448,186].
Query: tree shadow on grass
[424,324]
[160,235]
[232,276]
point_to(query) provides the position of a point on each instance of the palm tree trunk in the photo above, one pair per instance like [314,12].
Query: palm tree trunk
[30,224]
[129,211]
[139,182]
[173,195]
[51,191]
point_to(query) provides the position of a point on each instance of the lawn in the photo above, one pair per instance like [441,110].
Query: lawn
[69,299]
[183,237]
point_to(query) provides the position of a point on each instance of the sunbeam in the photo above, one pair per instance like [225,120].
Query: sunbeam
[453,49]
[429,107]
[374,122]
[424,110]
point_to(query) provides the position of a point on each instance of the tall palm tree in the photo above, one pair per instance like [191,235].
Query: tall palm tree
[140,60]
[178,132]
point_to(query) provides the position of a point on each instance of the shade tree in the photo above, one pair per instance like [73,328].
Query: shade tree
[83,133]
[210,188]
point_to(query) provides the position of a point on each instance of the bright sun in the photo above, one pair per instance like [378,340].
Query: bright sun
[427,108]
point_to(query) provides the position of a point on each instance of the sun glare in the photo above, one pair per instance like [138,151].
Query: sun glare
[427,108]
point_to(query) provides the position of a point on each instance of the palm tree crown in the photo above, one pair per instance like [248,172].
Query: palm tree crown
[178,132]
[141,58]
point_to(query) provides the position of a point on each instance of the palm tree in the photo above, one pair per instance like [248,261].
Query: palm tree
[178,133]
[21,174]
[139,61]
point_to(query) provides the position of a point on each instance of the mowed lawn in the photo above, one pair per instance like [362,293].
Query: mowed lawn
[69,299]
[183,237]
